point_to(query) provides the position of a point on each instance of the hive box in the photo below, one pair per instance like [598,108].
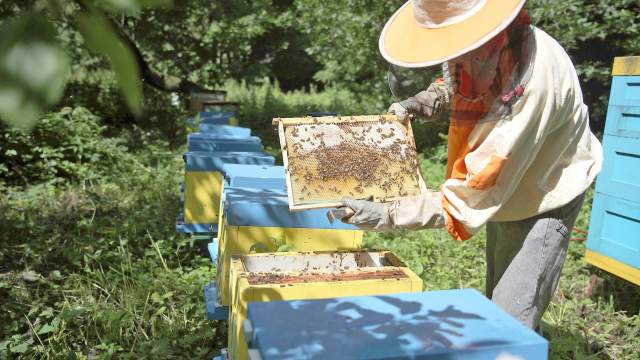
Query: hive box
[225,130]
[214,143]
[203,182]
[450,324]
[613,244]
[254,176]
[305,276]
[256,220]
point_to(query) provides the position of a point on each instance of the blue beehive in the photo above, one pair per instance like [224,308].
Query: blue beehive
[203,184]
[260,220]
[254,176]
[213,143]
[225,130]
[451,324]
[248,176]
[614,244]
[217,117]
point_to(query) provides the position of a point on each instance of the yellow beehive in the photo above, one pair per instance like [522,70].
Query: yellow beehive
[303,276]
[259,220]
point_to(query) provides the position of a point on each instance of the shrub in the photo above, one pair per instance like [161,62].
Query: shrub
[65,145]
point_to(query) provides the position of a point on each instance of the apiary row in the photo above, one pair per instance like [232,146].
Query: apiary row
[293,285]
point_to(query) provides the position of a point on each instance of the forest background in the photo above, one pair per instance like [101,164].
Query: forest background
[90,159]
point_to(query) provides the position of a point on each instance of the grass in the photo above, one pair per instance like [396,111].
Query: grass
[95,271]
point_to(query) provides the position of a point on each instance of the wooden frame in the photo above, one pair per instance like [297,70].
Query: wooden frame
[281,123]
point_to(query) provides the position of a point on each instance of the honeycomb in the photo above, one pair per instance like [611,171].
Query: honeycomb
[329,158]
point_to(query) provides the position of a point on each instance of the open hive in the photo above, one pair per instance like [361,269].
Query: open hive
[313,275]
[329,158]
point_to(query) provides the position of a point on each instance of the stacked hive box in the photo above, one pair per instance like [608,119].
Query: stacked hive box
[614,244]
[302,276]
[451,324]
[259,220]
[203,183]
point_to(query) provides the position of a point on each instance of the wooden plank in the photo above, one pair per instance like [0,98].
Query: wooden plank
[626,66]
[334,120]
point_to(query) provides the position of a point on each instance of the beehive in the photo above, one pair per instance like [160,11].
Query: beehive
[203,182]
[329,158]
[613,244]
[260,221]
[225,130]
[304,276]
[214,143]
[448,324]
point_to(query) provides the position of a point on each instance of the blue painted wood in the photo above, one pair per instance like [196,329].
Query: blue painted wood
[214,310]
[212,247]
[625,91]
[208,142]
[270,208]
[254,176]
[620,174]
[614,230]
[214,161]
[450,324]
[623,121]
[225,130]
[211,117]
[184,228]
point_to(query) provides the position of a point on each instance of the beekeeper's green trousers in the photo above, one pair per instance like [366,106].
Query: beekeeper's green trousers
[525,259]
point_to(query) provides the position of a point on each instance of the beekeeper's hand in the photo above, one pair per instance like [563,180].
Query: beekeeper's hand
[426,105]
[368,215]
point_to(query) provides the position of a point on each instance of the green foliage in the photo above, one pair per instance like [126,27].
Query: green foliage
[33,69]
[67,145]
[260,104]
[95,270]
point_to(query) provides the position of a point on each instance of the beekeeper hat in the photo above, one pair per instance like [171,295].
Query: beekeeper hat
[429,32]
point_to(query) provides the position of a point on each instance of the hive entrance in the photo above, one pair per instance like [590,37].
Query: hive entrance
[329,158]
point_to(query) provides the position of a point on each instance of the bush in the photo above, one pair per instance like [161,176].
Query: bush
[259,104]
[65,145]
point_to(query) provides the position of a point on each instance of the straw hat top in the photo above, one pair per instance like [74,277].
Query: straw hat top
[433,14]
[428,32]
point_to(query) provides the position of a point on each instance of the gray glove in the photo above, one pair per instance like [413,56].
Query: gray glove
[368,215]
[427,104]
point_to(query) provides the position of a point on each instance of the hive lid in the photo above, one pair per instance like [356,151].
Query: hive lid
[214,161]
[270,208]
[451,323]
[626,66]
[328,158]
[212,143]
[255,171]
[225,130]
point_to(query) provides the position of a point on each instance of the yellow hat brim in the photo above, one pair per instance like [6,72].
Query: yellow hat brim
[404,42]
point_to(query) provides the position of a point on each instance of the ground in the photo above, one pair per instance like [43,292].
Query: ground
[95,270]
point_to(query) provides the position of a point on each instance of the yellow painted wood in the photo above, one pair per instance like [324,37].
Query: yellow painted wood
[613,266]
[202,197]
[242,240]
[245,293]
[626,66]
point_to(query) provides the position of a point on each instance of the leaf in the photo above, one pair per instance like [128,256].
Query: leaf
[102,38]
[72,314]
[46,328]
[33,69]
[133,6]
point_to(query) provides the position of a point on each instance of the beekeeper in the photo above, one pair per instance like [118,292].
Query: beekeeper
[521,154]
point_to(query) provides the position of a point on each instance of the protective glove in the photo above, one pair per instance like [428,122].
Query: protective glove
[368,215]
[418,212]
[427,104]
